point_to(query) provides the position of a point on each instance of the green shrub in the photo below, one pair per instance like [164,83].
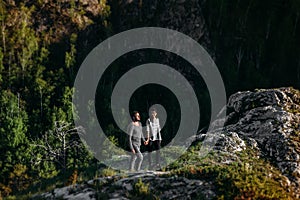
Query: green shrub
[141,188]
[142,191]
[108,172]
[249,177]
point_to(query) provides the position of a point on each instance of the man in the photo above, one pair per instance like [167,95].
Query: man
[153,138]
[135,135]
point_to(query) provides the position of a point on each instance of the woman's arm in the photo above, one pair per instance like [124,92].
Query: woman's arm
[148,131]
[159,129]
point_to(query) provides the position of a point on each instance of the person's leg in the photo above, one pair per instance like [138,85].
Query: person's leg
[157,143]
[140,156]
[150,159]
[134,156]
[132,161]
[150,154]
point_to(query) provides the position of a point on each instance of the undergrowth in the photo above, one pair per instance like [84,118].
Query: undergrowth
[245,176]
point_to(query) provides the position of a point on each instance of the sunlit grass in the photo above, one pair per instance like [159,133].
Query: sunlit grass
[246,177]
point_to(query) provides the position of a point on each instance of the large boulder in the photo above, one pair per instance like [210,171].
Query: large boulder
[272,118]
[267,120]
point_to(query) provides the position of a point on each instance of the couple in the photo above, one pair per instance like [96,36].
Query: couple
[153,141]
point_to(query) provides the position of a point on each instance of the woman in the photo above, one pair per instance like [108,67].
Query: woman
[135,135]
[153,137]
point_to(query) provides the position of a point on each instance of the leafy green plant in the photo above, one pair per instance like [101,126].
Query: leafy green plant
[107,172]
[142,190]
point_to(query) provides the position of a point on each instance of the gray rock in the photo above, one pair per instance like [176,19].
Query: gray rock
[267,121]
[265,117]
[166,187]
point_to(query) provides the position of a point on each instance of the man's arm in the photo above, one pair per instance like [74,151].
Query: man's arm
[130,137]
[142,134]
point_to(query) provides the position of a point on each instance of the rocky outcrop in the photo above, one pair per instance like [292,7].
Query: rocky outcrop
[267,120]
[272,118]
[153,184]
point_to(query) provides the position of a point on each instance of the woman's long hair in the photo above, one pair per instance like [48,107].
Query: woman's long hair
[133,116]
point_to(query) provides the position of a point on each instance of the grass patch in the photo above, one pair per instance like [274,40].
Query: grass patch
[248,177]
[141,191]
[71,177]
[107,172]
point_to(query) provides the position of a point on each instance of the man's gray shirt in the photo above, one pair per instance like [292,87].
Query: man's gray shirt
[135,135]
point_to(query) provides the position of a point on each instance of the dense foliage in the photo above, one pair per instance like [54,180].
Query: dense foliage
[38,60]
[42,44]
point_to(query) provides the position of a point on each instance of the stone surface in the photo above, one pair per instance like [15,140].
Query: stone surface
[271,118]
[118,187]
[268,121]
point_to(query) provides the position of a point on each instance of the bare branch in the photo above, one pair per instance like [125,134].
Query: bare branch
[55,144]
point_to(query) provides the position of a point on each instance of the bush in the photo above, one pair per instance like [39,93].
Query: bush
[249,177]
